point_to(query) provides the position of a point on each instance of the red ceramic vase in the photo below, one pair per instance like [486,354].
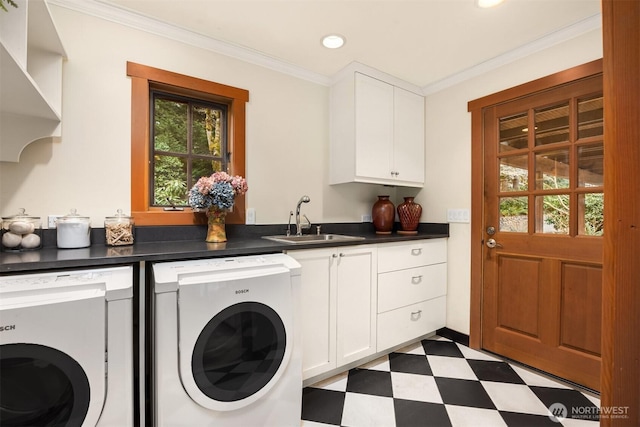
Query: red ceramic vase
[383,213]
[409,214]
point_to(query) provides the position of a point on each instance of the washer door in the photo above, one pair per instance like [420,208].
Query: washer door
[239,353]
[41,386]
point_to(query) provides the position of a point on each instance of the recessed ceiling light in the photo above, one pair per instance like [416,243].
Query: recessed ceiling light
[333,41]
[488,3]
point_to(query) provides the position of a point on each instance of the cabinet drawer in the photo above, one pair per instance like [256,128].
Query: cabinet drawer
[411,254]
[405,287]
[404,324]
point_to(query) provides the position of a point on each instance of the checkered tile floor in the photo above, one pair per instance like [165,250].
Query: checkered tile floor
[440,383]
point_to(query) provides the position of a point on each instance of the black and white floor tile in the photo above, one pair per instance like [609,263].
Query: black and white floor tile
[439,383]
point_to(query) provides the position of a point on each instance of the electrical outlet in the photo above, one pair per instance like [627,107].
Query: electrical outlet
[251,216]
[458,215]
[366,218]
[51,220]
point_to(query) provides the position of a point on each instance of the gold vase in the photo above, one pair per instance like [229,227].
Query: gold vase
[216,225]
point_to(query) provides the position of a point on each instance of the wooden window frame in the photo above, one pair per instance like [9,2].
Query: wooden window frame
[143,78]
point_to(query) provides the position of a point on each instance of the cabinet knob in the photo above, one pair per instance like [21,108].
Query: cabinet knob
[415,315]
[334,256]
[416,279]
[416,252]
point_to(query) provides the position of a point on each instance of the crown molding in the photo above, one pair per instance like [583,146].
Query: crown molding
[140,22]
[567,33]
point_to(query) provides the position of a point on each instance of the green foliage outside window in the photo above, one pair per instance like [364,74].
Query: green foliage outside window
[556,207]
[188,143]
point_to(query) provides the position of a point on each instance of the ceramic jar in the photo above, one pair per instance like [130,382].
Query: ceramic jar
[383,214]
[409,214]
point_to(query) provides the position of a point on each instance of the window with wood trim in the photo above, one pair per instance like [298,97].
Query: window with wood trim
[166,160]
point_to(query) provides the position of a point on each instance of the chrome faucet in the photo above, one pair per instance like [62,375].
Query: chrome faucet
[303,199]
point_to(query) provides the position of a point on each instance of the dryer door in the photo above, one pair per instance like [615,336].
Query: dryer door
[238,353]
[235,335]
[41,386]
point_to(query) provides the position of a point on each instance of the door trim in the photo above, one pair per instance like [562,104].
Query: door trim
[476,108]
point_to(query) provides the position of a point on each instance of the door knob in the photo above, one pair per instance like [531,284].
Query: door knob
[491,243]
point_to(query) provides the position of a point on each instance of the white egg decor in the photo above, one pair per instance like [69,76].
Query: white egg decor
[21,232]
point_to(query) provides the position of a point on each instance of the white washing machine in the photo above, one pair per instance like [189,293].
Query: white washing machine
[66,349]
[227,349]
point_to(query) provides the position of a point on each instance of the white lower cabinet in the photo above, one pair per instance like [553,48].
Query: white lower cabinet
[410,322]
[361,300]
[412,288]
[339,301]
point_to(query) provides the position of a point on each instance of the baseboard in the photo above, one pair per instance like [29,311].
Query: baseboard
[455,336]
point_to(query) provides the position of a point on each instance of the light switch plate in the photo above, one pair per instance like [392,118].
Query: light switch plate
[458,215]
[251,216]
[51,221]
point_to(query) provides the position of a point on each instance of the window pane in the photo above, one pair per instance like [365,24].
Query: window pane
[590,116]
[514,173]
[552,124]
[170,126]
[590,165]
[514,214]
[552,169]
[555,214]
[207,132]
[202,167]
[513,132]
[169,181]
[591,220]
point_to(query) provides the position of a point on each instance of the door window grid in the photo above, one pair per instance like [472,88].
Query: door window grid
[565,152]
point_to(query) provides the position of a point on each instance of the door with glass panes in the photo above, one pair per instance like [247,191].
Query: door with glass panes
[543,222]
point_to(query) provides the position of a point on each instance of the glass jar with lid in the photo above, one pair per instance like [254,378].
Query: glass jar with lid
[118,229]
[74,231]
[21,232]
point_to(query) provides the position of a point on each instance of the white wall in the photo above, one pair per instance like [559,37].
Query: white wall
[89,169]
[287,137]
[448,133]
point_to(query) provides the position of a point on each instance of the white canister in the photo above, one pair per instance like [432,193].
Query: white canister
[74,231]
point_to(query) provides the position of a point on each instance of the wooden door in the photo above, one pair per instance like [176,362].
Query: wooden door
[543,222]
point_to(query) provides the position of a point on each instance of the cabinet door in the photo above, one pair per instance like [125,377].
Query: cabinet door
[374,127]
[356,303]
[318,293]
[408,150]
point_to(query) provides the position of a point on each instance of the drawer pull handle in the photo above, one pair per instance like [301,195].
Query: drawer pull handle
[416,252]
[416,279]
[415,315]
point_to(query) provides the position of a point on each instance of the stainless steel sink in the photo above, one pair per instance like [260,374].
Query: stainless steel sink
[313,238]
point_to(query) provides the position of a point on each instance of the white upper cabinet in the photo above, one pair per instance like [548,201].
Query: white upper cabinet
[377,130]
[31,56]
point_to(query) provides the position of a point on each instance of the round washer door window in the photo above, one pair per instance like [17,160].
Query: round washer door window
[41,386]
[238,352]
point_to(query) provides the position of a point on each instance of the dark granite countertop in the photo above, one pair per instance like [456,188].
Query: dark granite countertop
[172,243]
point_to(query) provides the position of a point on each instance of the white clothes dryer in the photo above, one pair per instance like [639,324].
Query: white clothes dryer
[66,349]
[227,349]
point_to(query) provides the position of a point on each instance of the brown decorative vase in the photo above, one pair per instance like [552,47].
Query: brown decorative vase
[409,214]
[383,213]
